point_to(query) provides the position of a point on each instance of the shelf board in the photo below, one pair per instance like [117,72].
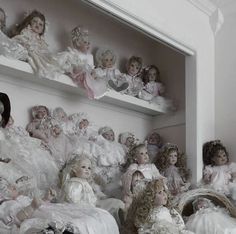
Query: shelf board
[23,70]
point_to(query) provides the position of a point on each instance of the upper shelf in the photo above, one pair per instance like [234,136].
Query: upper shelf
[23,70]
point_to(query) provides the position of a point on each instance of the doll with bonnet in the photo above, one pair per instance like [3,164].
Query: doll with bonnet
[127,140]
[78,63]
[9,47]
[106,70]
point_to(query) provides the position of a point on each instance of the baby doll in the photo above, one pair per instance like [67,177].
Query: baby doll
[127,140]
[149,212]
[133,76]
[154,144]
[9,47]
[78,63]
[105,69]
[210,219]
[219,174]
[37,127]
[30,34]
[173,166]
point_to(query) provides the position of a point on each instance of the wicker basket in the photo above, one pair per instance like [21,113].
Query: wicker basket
[183,204]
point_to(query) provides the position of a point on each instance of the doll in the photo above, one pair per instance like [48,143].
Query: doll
[218,174]
[173,166]
[9,47]
[105,69]
[30,34]
[127,140]
[78,63]
[210,219]
[37,127]
[134,67]
[149,213]
[154,144]
[153,89]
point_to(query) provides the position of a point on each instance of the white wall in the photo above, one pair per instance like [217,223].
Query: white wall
[226,79]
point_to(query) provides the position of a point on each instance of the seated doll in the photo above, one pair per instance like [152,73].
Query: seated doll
[154,143]
[173,166]
[78,63]
[9,47]
[210,219]
[219,174]
[105,69]
[127,140]
[133,76]
[149,213]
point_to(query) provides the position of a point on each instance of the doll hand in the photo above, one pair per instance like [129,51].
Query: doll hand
[50,195]
[36,203]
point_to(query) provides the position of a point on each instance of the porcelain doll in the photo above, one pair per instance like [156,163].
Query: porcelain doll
[219,174]
[106,60]
[133,76]
[153,89]
[210,219]
[154,143]
[173,166]
[30,34]
[127,140]
[78,63]
[37,127]
[9,47]
[150,212]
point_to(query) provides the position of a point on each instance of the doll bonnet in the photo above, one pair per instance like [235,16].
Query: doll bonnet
[78,33]
[105,129]
[124,136]
[169,146]
[4,99]
[100,55]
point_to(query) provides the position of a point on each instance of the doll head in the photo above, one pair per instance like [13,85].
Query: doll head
[215,153]
[5,109]
[35,20]
[39,112]
[82,168]
[80,39]
[201,203]
[154,139]
[136,178]
[134,65]
[151,73]
[140,154]
[2,20]
[107,133]
[127,139]
[55,129]
[105,58]
[59,114]
[153,196]
[82,122]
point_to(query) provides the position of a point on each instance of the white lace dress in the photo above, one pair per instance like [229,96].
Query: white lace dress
[164,221]
[212,220]
[135,85]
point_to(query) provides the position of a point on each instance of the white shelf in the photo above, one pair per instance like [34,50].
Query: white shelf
[23,70]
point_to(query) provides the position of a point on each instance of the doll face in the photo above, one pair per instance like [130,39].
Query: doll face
[136,178]
[41,112]
[161,197]
[201,204]
[133,68]
[108,60]
[83,169]
[56,130]
[220,158]
[37,25]
[152,74]
[109,135]
[83,44]
[142,155]
[154,139]
[83,124]
[129,141]
[62,115]
[173,157]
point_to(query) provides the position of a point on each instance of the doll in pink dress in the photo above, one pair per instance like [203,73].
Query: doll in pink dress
[106,70]
[133,76]
[78,63]
[219,173]
[173,166]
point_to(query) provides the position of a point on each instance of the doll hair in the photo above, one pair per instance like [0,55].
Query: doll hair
[210,149]
[133,152]
[162,162]
[101,53]
[27,20]
[136,173]
[3,23]
[78,34]
[142,205]
[137,60]
[157,135]
[35,109]
[201,199]
[146,73]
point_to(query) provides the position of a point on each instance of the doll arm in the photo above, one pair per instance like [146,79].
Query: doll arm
[207,173]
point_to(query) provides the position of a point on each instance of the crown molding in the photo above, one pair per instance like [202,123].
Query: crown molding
[206,6]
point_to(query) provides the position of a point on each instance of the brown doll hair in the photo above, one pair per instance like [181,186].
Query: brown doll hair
[146,72]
